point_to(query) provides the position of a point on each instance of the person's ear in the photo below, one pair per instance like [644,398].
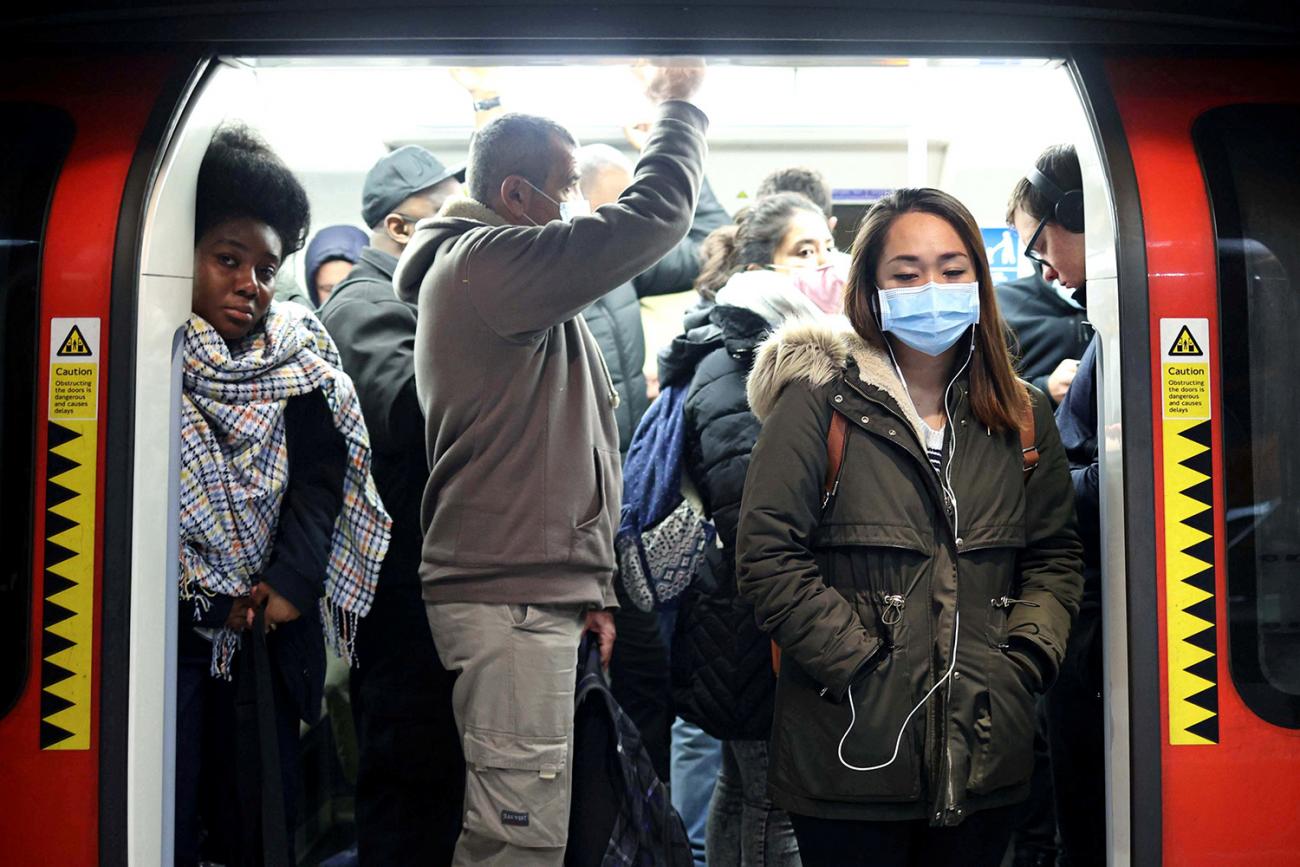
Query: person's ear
[397,229]
[516,196]
[831,221]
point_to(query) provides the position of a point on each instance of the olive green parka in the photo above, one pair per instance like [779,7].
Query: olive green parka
[869,595]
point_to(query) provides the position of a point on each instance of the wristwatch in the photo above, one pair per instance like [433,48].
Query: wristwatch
[486,104]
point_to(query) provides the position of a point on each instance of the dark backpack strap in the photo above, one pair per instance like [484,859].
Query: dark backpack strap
[275,833]
[1028,439]
[837,444]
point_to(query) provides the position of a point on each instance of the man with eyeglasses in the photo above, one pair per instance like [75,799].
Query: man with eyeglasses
[1047,310]
[1047,208]
[400,695]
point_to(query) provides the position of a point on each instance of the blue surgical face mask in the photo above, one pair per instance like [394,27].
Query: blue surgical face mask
[930,318]
[568,209]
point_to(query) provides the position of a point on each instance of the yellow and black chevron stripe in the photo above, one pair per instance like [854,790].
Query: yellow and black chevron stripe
[68,611]
[1191,616]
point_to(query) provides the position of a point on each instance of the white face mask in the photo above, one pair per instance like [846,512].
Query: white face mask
[574,208]
[568,209]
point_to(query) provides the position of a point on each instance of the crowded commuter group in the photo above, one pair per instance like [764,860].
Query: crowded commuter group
[839,558]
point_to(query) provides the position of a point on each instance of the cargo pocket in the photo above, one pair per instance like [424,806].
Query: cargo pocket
[516,789]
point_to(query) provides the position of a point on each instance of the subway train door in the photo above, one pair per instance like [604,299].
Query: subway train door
[69,214]
[1209,249]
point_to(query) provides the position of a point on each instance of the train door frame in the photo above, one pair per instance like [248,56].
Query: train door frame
[119,694]
[158,290]
[1118,308]
[163,275]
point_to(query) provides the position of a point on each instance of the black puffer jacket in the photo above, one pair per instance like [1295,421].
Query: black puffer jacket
[722,674]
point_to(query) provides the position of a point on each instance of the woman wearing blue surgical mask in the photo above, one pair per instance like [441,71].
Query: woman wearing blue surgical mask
[907,537]
[766,270]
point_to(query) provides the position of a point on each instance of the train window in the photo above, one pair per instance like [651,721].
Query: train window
[1248,155]
[32,149]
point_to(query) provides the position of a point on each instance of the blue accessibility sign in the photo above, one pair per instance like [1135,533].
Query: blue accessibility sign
[1003,248]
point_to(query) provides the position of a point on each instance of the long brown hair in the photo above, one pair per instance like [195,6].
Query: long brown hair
[997,397]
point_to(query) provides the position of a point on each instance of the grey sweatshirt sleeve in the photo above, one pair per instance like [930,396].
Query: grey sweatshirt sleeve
[524,280]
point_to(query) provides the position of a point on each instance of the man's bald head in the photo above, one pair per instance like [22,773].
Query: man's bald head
[604,172]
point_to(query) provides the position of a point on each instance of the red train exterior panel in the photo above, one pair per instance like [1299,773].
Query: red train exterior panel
[1230,802]
[51,771]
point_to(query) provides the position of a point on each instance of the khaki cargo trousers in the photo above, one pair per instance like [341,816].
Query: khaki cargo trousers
[513,700]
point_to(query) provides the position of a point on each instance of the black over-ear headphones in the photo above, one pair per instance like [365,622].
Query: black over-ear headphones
[1068,207]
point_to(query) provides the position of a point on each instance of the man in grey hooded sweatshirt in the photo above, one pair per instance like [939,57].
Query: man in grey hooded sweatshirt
[525,481]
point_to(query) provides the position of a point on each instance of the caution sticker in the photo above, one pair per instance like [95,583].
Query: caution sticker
[1191,614]
[1186,366]
[74,368]
[70,477]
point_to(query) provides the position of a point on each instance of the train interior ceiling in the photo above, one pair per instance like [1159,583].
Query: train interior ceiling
[869,125]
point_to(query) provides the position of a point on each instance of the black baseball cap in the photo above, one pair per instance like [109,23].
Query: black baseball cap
[399,175]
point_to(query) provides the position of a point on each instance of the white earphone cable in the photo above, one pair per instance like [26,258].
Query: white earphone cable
[898,742]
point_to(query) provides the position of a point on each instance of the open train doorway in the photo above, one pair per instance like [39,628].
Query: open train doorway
[971,127]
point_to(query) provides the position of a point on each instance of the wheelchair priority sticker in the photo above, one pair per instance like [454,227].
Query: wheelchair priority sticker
[67,614]
[1191,596]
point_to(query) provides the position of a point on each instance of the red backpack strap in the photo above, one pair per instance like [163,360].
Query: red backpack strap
[1028,438]
[837,443]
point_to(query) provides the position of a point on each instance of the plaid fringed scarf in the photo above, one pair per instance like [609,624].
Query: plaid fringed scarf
[234,469]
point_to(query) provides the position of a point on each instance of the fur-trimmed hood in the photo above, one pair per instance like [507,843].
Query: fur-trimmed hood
[816,353]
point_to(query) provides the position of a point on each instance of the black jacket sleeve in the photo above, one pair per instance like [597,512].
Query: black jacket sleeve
[1077,419]
[312,502]
[676,272]
[213,616]
[1087,498]
[1040,383]
[376,340]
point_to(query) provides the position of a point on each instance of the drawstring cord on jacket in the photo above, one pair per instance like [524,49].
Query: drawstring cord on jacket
[895,603]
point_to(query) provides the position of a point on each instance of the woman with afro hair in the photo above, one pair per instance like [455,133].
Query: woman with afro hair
[281,530]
